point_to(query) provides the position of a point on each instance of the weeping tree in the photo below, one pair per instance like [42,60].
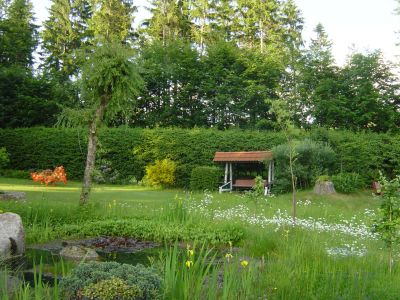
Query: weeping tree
[110,83]
[109,86]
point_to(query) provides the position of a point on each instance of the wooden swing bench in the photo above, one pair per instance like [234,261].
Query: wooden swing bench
[244,183]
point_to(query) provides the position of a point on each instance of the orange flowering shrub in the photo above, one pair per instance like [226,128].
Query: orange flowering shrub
[50,177]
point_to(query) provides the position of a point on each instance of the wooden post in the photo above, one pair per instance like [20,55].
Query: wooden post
[226,173]
[272,170]
[230,174]
[269,172]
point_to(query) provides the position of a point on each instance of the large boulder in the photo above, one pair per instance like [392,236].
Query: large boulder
[12,235]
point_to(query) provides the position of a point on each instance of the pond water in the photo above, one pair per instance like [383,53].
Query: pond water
[52,265]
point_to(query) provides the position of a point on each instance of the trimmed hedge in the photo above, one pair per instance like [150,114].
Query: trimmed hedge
[205,178]
[129,150]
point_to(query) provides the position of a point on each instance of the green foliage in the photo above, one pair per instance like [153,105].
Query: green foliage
[155,230]
[205,178]
[27,100]
[20,174]
[256,194]
[312,160]
[347,182]
[388,224]
[4,158]
[91,278]
[161,173]
[323,178]
[111,289]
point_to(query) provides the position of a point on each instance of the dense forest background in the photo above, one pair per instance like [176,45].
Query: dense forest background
[202,63]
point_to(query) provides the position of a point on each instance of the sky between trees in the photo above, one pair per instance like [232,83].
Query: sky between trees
[359,24]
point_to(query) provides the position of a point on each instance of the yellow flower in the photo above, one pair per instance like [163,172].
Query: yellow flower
[190,252]
[109,205]
[230,244]
[188,263]
[244,263]
[115,202]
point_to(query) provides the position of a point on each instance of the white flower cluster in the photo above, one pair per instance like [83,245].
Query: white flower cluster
[304,203]
[280,219]
[348,250]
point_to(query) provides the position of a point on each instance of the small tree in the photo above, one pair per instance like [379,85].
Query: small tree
[284,116]
[388,224]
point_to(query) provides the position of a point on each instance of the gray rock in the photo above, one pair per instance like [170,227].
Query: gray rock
[12,235]
[79,253]
[12,196]
[324,188]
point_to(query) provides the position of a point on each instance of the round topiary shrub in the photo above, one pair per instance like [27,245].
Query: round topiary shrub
[103,280]
[205,178]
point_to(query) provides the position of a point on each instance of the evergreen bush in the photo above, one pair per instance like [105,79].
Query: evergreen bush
[347,182]
[89,278]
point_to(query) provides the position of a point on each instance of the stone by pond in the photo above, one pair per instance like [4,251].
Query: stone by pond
[12,236]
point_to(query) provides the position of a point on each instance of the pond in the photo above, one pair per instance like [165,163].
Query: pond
[52,265]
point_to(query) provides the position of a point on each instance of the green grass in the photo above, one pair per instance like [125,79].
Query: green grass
[284,262]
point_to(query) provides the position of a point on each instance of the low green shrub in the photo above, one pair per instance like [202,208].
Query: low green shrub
[347,182]
[155,230]
[4,158]
[205,178]
[161,173]
[111,289]
[91,278]
[19,174]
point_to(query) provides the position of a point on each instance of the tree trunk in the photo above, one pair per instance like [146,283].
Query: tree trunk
[91,152]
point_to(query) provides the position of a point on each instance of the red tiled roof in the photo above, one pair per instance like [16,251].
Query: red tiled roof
[252,156]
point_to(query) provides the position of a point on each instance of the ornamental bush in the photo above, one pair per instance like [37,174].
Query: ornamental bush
[205,178]
[111,289]
[347,182]
[161,173]
[91,278]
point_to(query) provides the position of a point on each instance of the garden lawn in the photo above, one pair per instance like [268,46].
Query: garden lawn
[330,252]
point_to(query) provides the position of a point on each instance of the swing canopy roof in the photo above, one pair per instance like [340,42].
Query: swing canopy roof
[249,157]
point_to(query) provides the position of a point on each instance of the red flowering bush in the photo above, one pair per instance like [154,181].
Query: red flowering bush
[50,177]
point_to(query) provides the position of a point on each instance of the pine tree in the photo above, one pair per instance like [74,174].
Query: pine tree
[60,40]
[18,38]
[170,20]
[112,20]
